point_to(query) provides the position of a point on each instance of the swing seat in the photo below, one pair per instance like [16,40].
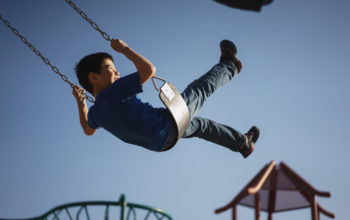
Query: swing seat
[177,107]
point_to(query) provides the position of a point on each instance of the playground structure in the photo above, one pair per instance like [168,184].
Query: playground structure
[251,5]
[277,189]
[103,210]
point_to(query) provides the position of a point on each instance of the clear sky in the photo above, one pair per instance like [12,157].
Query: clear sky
[294,85]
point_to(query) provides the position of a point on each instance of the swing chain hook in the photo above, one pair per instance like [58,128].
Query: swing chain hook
[93,24]
[39,54]
[154,83]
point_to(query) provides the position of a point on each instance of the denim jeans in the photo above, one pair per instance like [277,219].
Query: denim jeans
[196,94]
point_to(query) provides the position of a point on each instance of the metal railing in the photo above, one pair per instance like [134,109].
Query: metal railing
[105,210]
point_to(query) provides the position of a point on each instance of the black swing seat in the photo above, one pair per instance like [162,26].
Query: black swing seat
[176,105]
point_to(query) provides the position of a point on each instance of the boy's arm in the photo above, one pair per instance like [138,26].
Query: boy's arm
[83,110]
[144,67]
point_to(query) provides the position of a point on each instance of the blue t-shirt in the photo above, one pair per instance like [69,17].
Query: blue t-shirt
[118,110]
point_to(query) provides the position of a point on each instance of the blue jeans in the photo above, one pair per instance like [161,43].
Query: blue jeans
[196,94]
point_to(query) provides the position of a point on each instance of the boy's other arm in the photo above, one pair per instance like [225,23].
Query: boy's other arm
[83,111]
[144,67]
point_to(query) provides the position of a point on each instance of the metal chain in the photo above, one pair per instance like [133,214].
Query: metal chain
[96,27]
[93,24]
[45,60]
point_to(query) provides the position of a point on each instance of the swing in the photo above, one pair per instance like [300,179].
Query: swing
[168,94]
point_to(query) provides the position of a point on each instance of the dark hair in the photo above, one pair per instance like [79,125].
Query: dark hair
[90,63]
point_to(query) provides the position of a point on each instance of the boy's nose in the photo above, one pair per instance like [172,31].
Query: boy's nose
[116,75]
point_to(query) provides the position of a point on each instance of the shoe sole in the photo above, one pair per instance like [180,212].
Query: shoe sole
[255,133]
[245,155]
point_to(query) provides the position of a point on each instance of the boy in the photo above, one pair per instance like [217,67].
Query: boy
[118,110]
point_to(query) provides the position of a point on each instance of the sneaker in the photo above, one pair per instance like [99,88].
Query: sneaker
[250,138]
[228,52]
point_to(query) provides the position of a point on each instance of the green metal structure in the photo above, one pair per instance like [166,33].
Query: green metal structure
[106,210]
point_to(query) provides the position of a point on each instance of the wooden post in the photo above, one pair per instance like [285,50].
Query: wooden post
[314,209]
[269,217]
[234,212]
[272,193]
[257,206]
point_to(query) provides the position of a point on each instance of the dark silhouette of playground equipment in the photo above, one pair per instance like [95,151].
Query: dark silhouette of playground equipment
[103,210]
[251,5]
[277,189]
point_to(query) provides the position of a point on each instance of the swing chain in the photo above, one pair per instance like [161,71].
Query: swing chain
[105,35]
[93,24]
[45,60]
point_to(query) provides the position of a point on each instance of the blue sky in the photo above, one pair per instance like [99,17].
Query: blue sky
[294,85]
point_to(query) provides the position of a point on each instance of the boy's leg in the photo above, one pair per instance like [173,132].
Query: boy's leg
[200,89]
[215,132]
[223,135]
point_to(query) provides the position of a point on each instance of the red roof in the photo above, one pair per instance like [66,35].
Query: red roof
[276,189]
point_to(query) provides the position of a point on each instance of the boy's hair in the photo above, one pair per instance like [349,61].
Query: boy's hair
[90,63]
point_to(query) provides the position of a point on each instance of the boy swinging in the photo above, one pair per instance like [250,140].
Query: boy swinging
[118,109]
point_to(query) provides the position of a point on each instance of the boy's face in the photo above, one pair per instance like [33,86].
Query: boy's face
[108,74]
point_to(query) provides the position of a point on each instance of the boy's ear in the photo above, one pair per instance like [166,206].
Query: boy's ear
[92,77]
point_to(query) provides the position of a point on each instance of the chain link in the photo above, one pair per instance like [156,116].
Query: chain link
[96,27]
[45,60]
[93,24]
[104,34]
